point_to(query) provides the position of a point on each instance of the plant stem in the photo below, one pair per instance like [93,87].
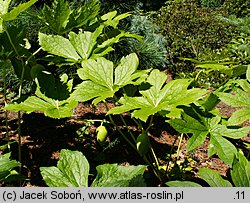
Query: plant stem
[179,146]
[150,123]
[131,144]
[19,96]
[37,51]
[5,102]
[119,130]
[130,132]
[137,123]
[155,157]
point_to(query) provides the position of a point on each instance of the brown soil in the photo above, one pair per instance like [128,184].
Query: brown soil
[43,138]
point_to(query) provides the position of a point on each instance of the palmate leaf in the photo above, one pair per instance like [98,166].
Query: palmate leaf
[61,18]
[227,68]
[105,46]
[50,107]
[80,46]
[157,98]
[216,67]
[102,80]
[225,149]
[201,127]
[87,13]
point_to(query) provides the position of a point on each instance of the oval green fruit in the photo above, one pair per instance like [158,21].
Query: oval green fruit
[102,134]
[35,70]
[143,143]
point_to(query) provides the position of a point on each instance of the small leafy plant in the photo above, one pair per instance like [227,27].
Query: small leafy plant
[73,170]
[201,126]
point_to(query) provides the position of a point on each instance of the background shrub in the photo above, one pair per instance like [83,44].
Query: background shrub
[191,31]
[239,8]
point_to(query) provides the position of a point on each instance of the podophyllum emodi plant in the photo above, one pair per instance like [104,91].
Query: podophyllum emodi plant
[141,94]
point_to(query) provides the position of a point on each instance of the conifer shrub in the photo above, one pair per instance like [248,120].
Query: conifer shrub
[191,31]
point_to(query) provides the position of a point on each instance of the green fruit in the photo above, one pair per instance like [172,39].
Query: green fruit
[35,70]
[142,143]
[102,134]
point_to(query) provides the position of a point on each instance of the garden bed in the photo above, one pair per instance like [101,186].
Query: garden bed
[43,138]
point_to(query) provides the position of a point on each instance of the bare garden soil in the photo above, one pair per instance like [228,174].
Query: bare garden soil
[43,138]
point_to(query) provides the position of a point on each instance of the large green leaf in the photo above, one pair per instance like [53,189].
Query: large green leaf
[213,178]
[178,183]
[102,81]
[61,18]
[113,175]
[105,46]
[88,90]
[72,170]
[50,107]
[99,71]
[156,97]
[201,126]
[240,172]
[80,46]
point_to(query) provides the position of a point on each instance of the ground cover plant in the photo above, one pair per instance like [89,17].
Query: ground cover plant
[95,118]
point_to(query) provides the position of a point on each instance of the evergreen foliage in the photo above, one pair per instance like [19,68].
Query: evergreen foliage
[191,31]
